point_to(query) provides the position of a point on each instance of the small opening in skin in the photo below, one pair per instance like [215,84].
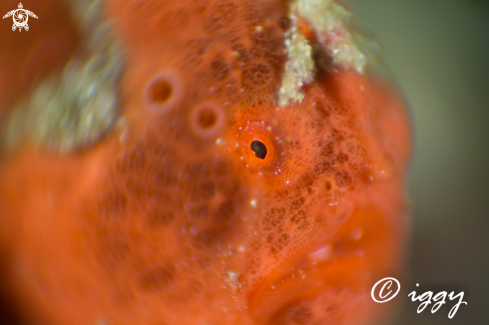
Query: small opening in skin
[161,90]
[329,186]
[259,149]
[207,118]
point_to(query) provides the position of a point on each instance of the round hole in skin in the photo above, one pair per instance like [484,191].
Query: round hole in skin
[207,120]
[163,92]
[160,91]
[259,148]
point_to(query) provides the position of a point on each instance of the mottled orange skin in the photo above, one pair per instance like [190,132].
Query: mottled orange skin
[154,224]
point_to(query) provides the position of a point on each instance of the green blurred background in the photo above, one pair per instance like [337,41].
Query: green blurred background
[438,50]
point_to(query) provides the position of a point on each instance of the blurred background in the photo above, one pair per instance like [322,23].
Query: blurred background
[438,51]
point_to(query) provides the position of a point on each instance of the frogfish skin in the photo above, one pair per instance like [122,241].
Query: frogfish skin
[199,162]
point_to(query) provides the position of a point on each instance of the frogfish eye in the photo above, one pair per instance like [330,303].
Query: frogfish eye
[259,149]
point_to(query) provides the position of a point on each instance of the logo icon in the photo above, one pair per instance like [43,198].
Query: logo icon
[20,17]
[385,296]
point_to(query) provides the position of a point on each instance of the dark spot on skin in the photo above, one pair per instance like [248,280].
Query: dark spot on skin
[300,220]
[252,266]
[256,245]
[296,314]
[328,185]
[302,315]
[343,180]
[306,180]
[297,203]
[328,150]
[257,76]
[270,238]
[273,218]
[283,240]
[282,194]
[274,250]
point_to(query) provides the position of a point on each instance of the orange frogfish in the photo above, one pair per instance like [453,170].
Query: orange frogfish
[198,162]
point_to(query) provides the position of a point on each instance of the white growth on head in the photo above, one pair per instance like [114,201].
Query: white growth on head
[76,108]
[299,69]
[330,22]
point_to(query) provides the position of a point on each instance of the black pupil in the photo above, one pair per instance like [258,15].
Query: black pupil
[259,149]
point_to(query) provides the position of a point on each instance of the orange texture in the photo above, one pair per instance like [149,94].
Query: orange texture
[173,219]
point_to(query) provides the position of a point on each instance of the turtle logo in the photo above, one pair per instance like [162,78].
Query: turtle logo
[20,16]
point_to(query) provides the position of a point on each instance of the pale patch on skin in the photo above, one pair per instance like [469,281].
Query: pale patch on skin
[299,69]
[78,107]
[233,281]
[330,21]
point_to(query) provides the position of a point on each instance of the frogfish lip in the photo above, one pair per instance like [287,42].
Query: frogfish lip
[299,278]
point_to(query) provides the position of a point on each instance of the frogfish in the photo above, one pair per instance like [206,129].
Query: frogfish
[199,162]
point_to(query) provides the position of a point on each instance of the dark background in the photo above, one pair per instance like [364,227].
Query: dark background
[438,51]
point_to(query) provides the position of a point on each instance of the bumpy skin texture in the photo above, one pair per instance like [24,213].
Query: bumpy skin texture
[174,220]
